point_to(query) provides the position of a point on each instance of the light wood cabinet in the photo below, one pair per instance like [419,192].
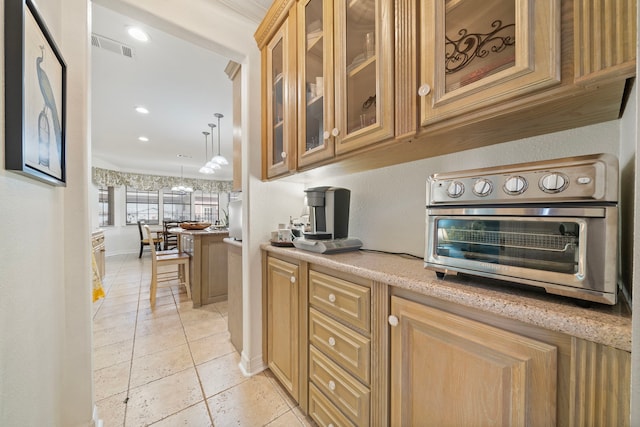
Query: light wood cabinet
[472,373]
[472,57]
[234,276]
[344,76]
[97,246]
[364,353]
[282,295]
[279,99]
[443,76]
[207,267]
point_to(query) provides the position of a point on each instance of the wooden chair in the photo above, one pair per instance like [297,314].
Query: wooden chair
[170,239]
[144,241]
[167,258]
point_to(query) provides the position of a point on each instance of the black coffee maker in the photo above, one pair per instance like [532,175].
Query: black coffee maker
[329,219]
[329,213]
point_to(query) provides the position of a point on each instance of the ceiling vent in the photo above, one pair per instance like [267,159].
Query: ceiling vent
[111,45]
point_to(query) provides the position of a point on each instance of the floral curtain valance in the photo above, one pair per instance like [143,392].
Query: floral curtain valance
[109,178]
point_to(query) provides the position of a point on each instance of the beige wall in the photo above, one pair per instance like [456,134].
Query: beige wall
[45,309]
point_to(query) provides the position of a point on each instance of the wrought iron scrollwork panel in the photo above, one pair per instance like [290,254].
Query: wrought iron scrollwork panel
[461,52]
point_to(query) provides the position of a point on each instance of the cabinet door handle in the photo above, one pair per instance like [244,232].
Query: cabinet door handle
[393,320]
[283,154]
[292,279]
[335,132]
[332,341]
[332,298]
[424,90]
[332,385]
[326,135]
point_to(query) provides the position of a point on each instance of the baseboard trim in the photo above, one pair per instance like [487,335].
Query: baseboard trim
[251,367]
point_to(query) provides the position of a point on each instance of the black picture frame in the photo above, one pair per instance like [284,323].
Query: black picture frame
[35,96]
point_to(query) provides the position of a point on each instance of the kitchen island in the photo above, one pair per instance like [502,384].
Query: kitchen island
[208,265]
[368,338]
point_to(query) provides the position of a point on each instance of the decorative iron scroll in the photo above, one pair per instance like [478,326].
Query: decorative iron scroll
[459,53]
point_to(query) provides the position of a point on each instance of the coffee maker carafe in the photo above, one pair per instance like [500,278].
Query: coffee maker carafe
[329,213]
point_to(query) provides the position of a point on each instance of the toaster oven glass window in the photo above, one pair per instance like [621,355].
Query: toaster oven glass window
[535,244]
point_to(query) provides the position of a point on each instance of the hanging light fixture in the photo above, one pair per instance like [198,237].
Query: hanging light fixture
[218,158]
[211,164]
[181,188]
[206,169]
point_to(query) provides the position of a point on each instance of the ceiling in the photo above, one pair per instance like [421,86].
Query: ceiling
[181,84]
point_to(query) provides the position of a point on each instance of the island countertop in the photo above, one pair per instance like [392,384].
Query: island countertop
[608,325]
[180,230]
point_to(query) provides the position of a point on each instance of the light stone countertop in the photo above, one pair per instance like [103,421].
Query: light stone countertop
[180,230]
[232,242]
[608,325]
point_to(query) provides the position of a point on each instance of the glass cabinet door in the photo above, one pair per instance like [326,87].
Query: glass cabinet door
[315,88]
[477,54]
[364,72]
[279,104]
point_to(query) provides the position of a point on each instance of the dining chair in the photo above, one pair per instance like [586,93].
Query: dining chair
[144,241]
[161,259]
[170,239]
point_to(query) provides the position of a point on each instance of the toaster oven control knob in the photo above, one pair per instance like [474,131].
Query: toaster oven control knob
[455,189]
[554,182]
[515,185]
[482,187]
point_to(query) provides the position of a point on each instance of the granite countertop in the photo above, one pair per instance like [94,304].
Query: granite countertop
[232,242]
[180,230]
[608,325]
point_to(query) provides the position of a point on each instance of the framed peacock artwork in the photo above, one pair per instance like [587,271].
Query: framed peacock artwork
[35,96]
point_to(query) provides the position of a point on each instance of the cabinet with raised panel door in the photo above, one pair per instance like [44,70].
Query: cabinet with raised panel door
[283,322]
[344,75]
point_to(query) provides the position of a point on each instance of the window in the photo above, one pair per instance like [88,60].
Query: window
[142,206]
[206,206]
[176,206]
[105,206]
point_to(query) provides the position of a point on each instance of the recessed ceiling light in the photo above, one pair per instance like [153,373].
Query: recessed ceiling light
[143,139]
[138,34]
[142,110]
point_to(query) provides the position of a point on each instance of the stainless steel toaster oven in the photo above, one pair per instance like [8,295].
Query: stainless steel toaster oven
[551,224]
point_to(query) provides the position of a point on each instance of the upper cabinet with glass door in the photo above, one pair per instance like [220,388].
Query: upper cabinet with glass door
[345,76]
[477,54]
[315,49]
[279,99]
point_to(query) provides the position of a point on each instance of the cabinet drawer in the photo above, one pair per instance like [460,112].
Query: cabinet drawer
[346,347]
[351,397]
[345,300]
[324,412]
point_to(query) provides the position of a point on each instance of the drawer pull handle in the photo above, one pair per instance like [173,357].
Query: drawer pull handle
[330,425]
[332,298]
[424,90]
[332,341]
[332,385]
[393,320]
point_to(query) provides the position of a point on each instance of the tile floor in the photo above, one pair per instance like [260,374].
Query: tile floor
[174,364]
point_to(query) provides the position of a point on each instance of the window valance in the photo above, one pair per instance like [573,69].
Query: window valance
[110,178]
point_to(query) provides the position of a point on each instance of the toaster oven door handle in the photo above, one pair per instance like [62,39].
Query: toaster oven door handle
[578,212]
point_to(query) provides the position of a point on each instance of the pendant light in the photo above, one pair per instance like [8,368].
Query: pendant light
[206,169]
[181,188]
[211,164]
[218,158]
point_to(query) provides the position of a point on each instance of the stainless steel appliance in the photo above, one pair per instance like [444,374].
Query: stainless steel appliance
[235,219]
[329,217]
[551,224]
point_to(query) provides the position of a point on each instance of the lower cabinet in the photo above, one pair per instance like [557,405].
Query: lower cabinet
[355,352]
[450,370]
[208,266]
[283,323]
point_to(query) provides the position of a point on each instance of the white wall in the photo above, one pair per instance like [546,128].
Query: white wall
[45,303]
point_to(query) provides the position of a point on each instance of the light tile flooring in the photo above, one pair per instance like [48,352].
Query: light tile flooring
[173,364]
